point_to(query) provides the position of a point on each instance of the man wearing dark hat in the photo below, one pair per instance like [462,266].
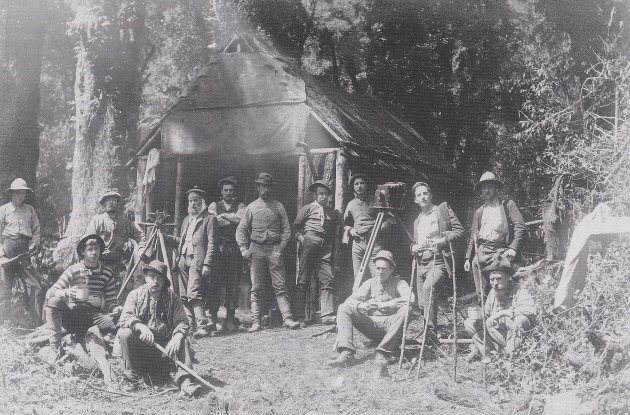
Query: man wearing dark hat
[377,310]
[435,228]
[262,235]
[497,229]
[315,227]
[229,260]
[197,250]
[510,312]
[359,219]
[19,233]
[83,296]
[117,231]
[155,314]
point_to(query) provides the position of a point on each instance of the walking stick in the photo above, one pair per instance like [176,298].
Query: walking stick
[128,277]
[450,246]
[186,368]
[483,313]
[414,275]
[426,323]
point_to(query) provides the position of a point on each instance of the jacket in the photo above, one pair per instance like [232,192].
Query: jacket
[449,226]
[204,240]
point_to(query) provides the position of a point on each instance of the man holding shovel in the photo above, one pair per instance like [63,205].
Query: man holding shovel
[155,314]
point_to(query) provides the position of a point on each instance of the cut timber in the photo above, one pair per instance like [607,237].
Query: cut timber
[96,347]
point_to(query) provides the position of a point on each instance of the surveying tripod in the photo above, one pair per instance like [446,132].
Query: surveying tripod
[156,231]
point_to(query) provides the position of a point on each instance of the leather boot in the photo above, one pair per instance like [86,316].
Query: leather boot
[327,307]
[344,358]
[53,321]
[229,324]
[285,309]
[255,313]
[300,303]
[202,321]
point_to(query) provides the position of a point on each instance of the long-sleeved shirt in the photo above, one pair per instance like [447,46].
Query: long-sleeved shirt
[164,316]
[100,282]
[265,222]
[19,222]
[315,218]
[520,299]
[516,226]
[361,216]
[232,215]
[115,232]
[394,288]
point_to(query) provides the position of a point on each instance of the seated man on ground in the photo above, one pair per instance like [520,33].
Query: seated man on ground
[153,313]
[377,310]
[84,296]
[510,311]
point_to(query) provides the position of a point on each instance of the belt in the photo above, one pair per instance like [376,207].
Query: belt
[266,243]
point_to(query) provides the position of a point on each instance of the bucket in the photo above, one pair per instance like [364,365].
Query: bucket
[474,313]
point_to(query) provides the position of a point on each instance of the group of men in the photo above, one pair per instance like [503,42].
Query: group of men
[216,241]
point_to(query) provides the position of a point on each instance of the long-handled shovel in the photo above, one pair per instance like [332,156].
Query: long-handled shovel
[426,319]
[187,369]
[414,275]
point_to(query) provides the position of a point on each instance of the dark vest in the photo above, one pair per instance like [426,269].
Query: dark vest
[228,232]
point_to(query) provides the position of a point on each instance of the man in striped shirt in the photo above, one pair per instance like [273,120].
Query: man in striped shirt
[510,313]
[84,296]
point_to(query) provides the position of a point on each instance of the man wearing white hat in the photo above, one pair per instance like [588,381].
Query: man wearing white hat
[19,233]
[497,230]
[117,231]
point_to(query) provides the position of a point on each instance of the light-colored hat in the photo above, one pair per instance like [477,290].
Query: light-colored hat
[386,255]
[197,190]
[19,184]
[488,177]
[109,193]
[321,183]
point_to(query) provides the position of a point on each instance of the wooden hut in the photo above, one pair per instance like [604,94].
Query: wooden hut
[244,113]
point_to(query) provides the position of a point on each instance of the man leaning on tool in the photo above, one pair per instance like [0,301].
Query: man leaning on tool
[229,260]
[497,230]
[83,296]
[196,246]
[359,219]
[262,235]
[315,226]
[377,310]
[19,234]
[434,229]
[117,231]
[510,312]
[153,313]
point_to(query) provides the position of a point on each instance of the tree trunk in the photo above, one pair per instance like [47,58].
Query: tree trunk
[22,26]
[107,94]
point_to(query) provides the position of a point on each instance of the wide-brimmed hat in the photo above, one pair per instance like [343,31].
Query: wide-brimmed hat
[196,189]
[321,183]
[83,241]
[109,193]
[499,264]
[487,177]
[19,184]
[356,176]
[159,267]
[227,180]
[264,178]
[386,255]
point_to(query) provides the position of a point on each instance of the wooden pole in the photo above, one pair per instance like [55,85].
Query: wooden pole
[450,246]
[179,184]
[165,255]
[427,310]
[340,180]
[186,368]
[140,212]
[414,274]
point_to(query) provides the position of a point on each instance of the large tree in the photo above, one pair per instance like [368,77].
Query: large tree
[22,26]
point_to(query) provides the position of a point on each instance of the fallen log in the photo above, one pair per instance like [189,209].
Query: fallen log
[96,347]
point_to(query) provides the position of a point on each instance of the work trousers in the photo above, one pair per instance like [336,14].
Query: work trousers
[144,358]
[387,330]
[427,278]
[504,334]
[226,274]
[267,259]
[24,270]
[192,285]
[75,318]
[483,258]
[315,257]
[359,246]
